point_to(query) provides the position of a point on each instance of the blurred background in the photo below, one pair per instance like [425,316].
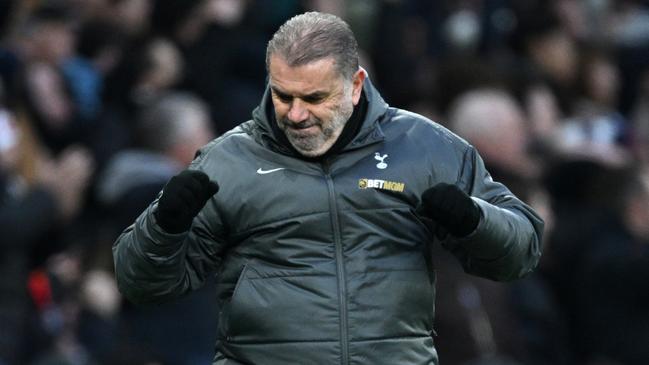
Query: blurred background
[101,101]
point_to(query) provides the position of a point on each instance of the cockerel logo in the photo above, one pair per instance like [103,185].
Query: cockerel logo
[381,165]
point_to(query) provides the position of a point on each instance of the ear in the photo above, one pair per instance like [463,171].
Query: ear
[357,85]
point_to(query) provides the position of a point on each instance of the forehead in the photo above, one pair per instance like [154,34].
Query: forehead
[319,75]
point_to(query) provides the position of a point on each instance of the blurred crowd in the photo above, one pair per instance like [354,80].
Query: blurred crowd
[101,101]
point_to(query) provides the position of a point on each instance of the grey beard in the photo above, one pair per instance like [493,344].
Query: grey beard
[311,146]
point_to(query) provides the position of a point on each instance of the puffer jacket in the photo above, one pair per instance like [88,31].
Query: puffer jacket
[327,262]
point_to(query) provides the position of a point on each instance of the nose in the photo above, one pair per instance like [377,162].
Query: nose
[298,111]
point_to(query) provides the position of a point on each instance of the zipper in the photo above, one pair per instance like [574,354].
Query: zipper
[340,265]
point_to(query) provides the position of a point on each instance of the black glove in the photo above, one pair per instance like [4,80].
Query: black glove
[451,209]
[182,198]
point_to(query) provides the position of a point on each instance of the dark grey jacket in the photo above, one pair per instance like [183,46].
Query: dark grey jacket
[327,263]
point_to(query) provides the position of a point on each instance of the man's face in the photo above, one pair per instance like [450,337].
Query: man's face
[312,102]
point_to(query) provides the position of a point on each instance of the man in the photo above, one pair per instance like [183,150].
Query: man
[168,132]
[480,116]
[328,202]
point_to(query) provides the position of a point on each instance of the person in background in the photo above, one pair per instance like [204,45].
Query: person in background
[485,322]
[168,133]
[611,316]
[38,193]
[480,116]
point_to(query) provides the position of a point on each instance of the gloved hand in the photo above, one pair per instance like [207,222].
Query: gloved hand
[451,209]
[182,198]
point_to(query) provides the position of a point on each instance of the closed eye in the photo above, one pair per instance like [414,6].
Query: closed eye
[285,98]
[314,99]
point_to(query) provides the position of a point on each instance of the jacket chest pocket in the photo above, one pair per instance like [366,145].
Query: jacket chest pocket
[277,199]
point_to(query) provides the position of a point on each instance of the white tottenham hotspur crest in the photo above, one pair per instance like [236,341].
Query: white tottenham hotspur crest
[381,165]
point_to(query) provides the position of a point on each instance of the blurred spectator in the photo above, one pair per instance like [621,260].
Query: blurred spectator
[486,322]
[583,190]
[550,51]
[230,82]
[162,69]
[148,69]
[494,123]
[98,51]
[37,193]
[168,133]
[595,126]
[612,317]
[133,16]
[46,41]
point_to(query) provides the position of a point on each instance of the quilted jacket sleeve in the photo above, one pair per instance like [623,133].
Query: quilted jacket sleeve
[153,266]
[506,245]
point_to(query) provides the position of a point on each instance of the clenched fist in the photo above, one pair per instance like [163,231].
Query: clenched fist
[450,208]
[182,198]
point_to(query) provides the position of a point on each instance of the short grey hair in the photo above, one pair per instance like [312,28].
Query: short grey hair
[171,119]
[313,36]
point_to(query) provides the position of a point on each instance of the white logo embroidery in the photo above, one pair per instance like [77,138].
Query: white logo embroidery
[263,172]
[381,165]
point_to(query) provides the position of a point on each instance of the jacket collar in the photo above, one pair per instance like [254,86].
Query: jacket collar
[370,131]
